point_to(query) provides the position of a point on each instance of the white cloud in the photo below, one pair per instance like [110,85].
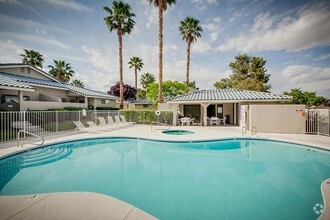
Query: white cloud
[201,46]
[203,4]
[263,22]
[306,74]
[309,28]
[308,78]
[9,52]
[69,4]
[322,57]
[25,23]
[35,39]
[213,36]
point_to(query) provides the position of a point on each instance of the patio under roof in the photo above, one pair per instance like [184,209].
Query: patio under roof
[227,95]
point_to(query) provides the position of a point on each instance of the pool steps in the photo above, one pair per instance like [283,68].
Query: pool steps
[45,156]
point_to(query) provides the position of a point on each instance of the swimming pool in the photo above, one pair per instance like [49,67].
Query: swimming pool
[228,179]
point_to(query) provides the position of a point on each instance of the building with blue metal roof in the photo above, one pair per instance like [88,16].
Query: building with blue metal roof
[34,89]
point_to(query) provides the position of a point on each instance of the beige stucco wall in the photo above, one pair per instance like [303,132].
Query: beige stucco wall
[97,103]
[278,118]
[228,109]
[35,96]
[17,71]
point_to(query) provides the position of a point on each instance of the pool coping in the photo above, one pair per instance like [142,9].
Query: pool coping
[69,205]
[189,138]
[163,141]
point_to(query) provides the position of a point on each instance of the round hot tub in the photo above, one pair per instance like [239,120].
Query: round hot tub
[178,132]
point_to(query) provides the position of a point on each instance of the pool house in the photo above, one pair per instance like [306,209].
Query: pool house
[237,108]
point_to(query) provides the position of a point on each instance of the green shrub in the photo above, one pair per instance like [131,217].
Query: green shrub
[106,108]
[147,116]
[65,109]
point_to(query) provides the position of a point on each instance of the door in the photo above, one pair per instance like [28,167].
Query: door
[220,112]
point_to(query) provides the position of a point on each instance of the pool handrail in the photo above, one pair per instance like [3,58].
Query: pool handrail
[29,133]
[158,123]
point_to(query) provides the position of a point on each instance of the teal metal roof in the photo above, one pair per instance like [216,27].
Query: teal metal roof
[228,95]
[9,82]
[16,81]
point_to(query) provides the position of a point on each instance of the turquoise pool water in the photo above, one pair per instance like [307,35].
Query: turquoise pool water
[231,179]
[178,132]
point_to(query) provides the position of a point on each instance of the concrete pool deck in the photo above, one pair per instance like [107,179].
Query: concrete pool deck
[49,203]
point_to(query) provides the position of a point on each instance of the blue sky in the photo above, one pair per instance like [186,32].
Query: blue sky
[292,35]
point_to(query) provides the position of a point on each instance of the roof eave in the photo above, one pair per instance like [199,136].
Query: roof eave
[17,88]
[227,101]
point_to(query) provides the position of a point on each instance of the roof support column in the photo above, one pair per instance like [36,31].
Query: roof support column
[20,100]
[205,105]
[86,102]
[94,103]
[250,118]
[175,114]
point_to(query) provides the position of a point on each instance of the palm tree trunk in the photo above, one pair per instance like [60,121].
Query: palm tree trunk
[135,81]
[121,83]
[188,62]
[160,45]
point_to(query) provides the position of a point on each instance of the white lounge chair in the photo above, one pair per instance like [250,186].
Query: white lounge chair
[81,127]
[111,122]
[125,121]
[103,123]
[117,120]
[92,125]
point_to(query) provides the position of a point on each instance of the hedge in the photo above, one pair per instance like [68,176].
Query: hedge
[147,116]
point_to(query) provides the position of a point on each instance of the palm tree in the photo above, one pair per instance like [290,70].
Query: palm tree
[162,6]
[137,63]
[32,57]
[78,83]
[61,71]
[190,31]
[146,79]
[120,19]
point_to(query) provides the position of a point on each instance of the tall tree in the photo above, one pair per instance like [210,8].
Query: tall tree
[146,79]
[32,57]
[190,32]
[162,6]
[137,63]
[129,91]
[171,89]
[78,83]
[120,19]
[304,97]
[61,71]
[248,73]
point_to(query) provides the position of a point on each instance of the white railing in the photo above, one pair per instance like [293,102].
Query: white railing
[43,123]
[254,131]
[243,130]
[29,133]
[155,123]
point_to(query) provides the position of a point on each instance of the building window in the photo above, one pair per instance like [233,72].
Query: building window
[105,101]
[26,98]
[145,105]
[28,70]
[22,70]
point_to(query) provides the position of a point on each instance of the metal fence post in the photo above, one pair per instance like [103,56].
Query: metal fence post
[24,123]
[56,120]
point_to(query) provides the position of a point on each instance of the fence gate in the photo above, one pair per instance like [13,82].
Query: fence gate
[312,121]
[324,123]
[318,122]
